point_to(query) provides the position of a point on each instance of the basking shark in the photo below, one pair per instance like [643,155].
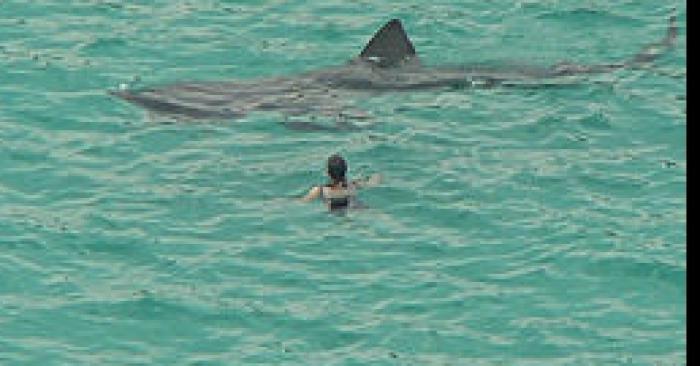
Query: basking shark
[387,63]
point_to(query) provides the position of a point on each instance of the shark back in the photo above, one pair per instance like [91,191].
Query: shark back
[390,46]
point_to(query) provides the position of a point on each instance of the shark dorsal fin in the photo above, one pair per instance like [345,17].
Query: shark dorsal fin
[390,46]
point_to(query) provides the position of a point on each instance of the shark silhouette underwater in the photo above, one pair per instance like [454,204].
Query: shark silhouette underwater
[389,62]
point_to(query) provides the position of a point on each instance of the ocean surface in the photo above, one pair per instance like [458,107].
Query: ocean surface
[514,226]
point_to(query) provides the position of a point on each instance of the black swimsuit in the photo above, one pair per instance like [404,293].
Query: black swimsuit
[338,202]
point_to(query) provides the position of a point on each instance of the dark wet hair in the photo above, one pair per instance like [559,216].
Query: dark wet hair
[336,169]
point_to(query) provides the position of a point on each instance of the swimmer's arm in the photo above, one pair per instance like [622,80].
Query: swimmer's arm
[313,194]
[373,180]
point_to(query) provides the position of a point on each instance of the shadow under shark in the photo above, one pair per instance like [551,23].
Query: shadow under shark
[387,63]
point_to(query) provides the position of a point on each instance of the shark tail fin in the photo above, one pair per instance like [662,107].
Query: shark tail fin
[390,46]
[653,51]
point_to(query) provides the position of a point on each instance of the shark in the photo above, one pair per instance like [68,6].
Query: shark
[388,63]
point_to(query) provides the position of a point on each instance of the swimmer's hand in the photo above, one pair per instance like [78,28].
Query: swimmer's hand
[373,180]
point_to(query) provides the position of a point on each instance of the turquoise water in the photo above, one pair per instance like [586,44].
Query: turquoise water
[514,226]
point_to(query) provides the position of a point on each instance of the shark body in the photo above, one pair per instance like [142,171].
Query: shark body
[389,62]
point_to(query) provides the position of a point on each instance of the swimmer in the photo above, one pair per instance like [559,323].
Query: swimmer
[339,193]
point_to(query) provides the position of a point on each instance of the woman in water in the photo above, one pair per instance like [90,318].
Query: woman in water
[339,193]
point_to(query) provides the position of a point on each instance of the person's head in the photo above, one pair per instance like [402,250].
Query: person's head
[336,168]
